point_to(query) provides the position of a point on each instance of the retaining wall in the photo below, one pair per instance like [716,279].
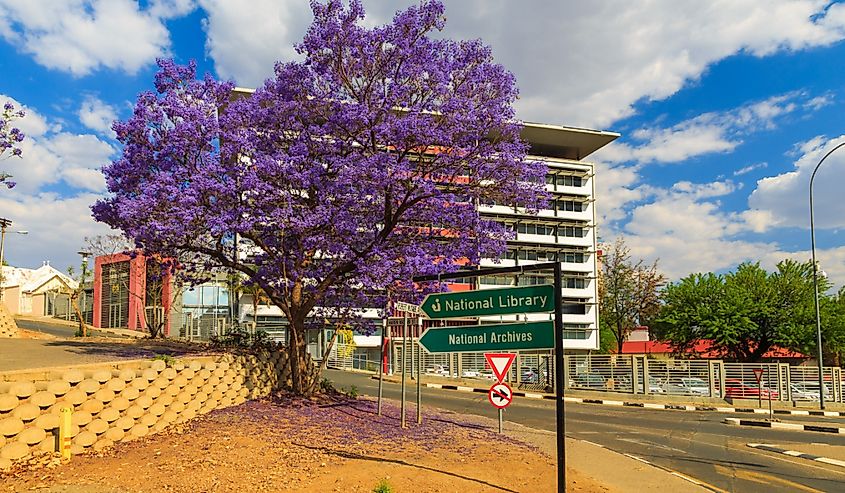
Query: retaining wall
[8,327]
[126,400]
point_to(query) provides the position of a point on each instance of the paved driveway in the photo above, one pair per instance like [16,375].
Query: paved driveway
[21,354]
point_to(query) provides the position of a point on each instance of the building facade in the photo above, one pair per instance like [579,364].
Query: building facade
[565,231]
[44,291]
[130,292]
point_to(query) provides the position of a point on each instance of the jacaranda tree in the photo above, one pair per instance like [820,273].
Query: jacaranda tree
[347,172]
[10,138]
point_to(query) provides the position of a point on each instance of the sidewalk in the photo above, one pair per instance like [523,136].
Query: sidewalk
[611,469]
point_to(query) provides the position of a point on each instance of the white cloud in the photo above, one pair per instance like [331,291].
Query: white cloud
[705,190]
[786,196]
[819,102]
[590,69]
[617,187]
[57,227]
[97,115]
[713,132]
[51,155]
[168,9]
[751,167]
[80,36]
[246,41]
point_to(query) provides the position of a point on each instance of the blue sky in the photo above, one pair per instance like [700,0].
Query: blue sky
[723,110]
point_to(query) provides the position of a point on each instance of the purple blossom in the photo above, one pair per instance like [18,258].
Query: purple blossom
[344,174]
[9,137]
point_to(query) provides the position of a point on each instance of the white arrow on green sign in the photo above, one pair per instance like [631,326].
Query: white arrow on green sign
[493,337]
[481,302]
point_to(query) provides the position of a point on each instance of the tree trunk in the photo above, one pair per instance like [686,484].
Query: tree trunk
[299,367]
[620,338]
[83,329]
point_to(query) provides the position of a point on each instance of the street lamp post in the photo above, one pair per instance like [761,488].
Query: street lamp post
[81,292]
[816,281]
[4,224]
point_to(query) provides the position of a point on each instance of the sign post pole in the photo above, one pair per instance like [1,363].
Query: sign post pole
[500,420]
[381,367]
[559,383]
[534,299]
[404,361]
[419,372]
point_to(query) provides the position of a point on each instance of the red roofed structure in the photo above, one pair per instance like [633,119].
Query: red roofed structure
[701,349]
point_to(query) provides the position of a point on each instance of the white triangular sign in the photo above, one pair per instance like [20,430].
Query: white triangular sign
[500,363]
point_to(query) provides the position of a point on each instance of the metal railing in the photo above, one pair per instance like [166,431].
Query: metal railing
[631,374]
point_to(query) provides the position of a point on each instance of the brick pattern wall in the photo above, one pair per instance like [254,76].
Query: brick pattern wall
[125,401]
[8,327]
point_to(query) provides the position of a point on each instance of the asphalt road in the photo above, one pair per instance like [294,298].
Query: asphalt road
[693,443]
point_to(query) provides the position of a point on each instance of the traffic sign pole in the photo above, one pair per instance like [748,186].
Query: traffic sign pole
[558,336]
[381,367]
[419,372]
[404,360]
[559,410]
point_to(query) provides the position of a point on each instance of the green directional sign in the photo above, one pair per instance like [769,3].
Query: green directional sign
[493,337]
[480,302]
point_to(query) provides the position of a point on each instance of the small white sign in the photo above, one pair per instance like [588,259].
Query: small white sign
[407,307]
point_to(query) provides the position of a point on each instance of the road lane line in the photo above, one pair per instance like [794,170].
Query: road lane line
[687,478]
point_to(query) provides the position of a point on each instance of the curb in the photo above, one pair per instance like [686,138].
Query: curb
[793,453]
[645,405]
[784,426]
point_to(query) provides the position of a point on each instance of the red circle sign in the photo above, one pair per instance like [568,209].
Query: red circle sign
[500,395]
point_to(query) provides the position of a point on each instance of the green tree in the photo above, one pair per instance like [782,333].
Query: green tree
[628,292]
[744,313]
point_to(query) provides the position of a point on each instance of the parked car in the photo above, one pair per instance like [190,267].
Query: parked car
[623,383]
[532,375]
[655,385]
[438,370]
[743,390]
[806,391]
[589,380]
[687,386]
[471,374]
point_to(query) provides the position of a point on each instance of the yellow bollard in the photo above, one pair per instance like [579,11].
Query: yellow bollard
[64,433]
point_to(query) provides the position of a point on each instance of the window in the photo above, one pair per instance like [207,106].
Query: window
[572,257]
[570,206]
[533,280]
[569,181]
[535,229]
[574,282]
[496,280]
[578,332]
[571,231]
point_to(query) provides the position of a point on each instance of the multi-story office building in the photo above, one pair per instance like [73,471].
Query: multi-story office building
[565,231]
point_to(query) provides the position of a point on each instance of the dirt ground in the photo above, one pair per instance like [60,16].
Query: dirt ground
[285,444]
